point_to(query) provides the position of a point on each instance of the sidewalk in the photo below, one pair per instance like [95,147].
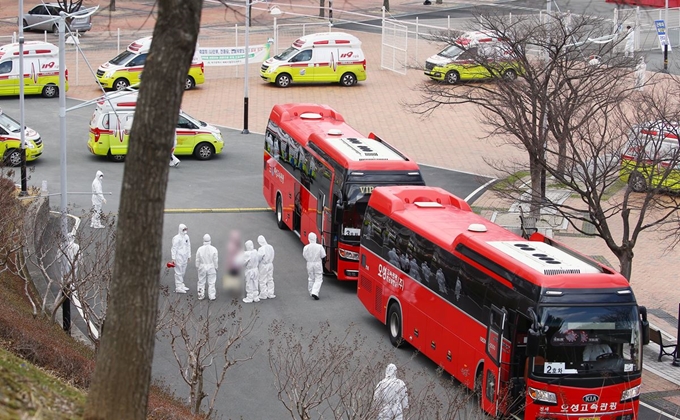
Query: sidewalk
[450,138]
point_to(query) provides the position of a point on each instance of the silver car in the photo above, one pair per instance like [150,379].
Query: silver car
[40,18]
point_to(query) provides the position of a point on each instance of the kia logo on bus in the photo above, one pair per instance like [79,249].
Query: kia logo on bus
[590,398]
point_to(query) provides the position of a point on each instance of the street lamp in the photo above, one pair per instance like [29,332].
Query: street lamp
[274,11]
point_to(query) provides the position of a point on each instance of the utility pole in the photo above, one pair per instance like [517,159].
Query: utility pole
[22,123]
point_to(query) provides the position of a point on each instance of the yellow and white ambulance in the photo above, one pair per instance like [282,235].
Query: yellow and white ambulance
[10,141]
[41,65]
[125,69]
[322,57]
[114,113]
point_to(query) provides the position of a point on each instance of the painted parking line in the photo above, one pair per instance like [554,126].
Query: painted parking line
[218,210]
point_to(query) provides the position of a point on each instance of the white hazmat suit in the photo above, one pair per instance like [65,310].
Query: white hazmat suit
[390,396]
[181,254]
[72,255]
[314,254]
[250,263]
[206,263]
[265,255]
[629,48]
[97,201]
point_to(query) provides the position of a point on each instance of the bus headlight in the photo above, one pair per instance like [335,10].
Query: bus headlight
[544,396]
[348,255]
[630,393]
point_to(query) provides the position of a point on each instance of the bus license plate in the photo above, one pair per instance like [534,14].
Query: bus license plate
[588,418]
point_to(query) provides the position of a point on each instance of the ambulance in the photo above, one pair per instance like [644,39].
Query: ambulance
[112,119]
[475,55]
[322,57]
[125,69]
[41,64]
[10,141]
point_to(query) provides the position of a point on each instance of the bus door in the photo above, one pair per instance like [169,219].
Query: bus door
[492,361]
[324,178]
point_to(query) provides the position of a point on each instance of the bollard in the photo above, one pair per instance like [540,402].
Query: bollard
[676,361]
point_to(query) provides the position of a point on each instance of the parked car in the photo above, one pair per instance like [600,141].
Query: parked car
[10,141]
[40,18]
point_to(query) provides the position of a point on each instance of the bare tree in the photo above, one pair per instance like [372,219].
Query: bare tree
[550,55]
[123,370]
[202,336]
[572,109]
[321,374]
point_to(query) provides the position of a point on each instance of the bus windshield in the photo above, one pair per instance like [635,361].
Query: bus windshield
[589,340]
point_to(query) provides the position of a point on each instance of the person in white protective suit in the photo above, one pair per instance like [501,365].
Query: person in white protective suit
[390,396]
[314,254]
[427,272]
[250,263]
[206,263]
[629,48]
[265,269]
[72,255]
[174,162]
[393,257]
[97,201]
[181,254]
[441,281]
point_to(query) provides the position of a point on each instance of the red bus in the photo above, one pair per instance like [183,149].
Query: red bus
[535,328]
[318,176]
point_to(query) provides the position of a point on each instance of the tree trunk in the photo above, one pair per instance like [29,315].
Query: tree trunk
[120,385]
[537,180]
[112,6]
[386,5]
[322,8]
[626,262]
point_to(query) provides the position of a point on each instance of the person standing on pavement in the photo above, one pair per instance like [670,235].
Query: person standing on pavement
[629,48]
[206,263]
[97,201]
[314,254]
[265,269]
[181,254]
[250,263]
[390,397]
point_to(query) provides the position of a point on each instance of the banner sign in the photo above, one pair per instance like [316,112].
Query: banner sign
[233,56]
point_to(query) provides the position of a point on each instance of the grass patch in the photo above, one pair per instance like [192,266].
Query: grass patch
[30,392]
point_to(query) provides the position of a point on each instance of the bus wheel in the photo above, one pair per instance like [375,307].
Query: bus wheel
[394,325]
[50,91]
[477,389]
[637,182]
[116,158]
[279,214]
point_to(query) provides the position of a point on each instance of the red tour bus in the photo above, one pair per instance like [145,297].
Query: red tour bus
[532,326]
[318,176]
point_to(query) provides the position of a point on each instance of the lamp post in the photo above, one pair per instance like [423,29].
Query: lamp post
[24,186]
[275,11]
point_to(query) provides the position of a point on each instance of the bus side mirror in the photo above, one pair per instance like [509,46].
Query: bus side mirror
[339,208]
[533,342]
[644,325]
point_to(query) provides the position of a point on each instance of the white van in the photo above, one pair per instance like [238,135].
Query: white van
[126,68]
[41,63]
[115,111]
[322,57]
